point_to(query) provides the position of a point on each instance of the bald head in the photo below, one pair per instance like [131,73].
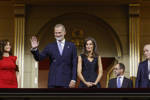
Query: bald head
[147,51]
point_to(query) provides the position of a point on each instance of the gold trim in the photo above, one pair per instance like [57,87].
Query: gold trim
[134,5]
[119,52]
[19,31]
[118,46]
[110,71]
[134,38]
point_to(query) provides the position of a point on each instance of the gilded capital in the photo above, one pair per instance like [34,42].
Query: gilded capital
[19,9]
[134,9]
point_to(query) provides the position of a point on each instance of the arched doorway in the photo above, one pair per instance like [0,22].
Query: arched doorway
[79,26]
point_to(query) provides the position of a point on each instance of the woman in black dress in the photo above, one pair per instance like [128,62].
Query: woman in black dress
[89,65]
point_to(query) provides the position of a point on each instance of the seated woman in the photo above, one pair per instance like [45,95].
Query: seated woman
[8,66]
[89,68]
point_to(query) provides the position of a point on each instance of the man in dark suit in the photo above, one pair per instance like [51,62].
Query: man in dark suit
[63,59]
[121,81]
[143,74]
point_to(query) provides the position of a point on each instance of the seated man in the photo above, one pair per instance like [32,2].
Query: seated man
[121,81]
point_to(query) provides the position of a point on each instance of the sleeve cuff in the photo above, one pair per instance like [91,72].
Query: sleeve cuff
[73,81]
[33,49]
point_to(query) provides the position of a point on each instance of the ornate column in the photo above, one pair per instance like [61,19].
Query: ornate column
[134,39]
[19,31]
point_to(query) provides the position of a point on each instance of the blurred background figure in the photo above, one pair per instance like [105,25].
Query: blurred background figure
[121,81]
[143,74]
[8,66]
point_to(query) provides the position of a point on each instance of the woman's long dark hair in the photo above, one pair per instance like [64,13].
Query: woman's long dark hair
[95,51]
[3,43]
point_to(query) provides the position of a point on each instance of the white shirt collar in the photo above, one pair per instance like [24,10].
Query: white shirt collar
[62,42]
[121,76]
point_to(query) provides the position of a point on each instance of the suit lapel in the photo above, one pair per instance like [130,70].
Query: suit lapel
[64,50]
[57,49]
[115,86]
[66,47]
[146,67]
[124,83]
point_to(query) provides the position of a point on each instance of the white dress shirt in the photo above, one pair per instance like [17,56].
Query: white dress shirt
[149,69]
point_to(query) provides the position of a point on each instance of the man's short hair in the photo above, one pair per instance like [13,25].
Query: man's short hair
[60,25]
[146,45]
[122,66]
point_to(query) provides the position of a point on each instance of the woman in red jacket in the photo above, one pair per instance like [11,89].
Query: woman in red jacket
[8,67]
